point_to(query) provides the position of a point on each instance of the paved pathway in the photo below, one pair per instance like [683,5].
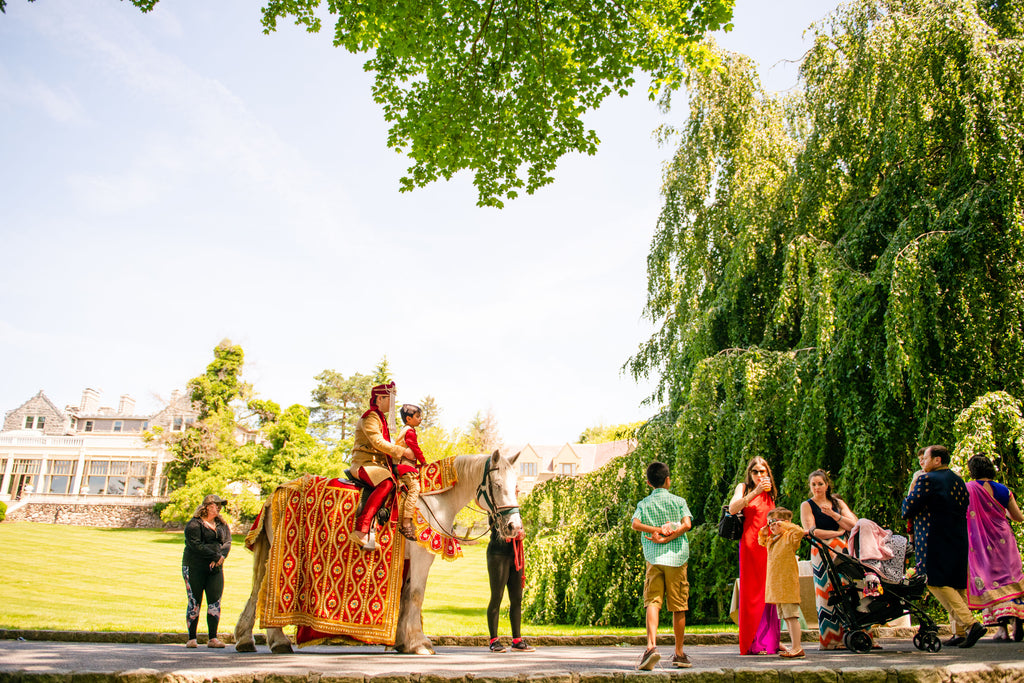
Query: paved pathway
[28,660]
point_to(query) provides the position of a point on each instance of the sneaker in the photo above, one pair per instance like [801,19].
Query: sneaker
[650,658]
[522,646]
[954,641]
[496,646]
[682,661]
[192,644]
[974,635]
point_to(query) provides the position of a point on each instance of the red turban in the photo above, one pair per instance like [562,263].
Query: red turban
[381,390]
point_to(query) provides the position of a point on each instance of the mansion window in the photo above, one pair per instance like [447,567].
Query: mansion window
[568,468]
[118,425]
[117,477]
[88,426]
[528,469]
[23,472]
[59,477]
[35,421]
[178,424]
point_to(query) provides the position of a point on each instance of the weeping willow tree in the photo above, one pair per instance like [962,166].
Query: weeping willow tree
[835,279]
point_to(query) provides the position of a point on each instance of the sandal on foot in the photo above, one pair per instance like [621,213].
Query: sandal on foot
[792,654]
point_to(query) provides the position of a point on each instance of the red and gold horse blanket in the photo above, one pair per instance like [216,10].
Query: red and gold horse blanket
[317,577]
[323,582]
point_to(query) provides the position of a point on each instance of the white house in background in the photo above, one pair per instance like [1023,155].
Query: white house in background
[86,453]
[539,463]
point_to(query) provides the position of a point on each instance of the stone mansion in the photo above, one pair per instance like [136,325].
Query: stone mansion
[86,455]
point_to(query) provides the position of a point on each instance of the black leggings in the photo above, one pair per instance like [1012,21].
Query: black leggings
[198,580]
[502,572]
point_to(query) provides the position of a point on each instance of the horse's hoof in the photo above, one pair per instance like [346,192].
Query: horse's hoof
[282,649]
[248,646]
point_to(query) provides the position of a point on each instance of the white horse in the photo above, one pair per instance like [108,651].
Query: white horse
[488,479]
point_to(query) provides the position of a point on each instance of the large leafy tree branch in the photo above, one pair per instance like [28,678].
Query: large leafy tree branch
[499,87]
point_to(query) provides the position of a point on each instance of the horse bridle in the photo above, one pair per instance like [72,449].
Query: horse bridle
[484,491]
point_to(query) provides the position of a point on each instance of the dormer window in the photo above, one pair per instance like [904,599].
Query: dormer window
[568,468]
[178,424]
[88,426]
[35,421]
[118,425]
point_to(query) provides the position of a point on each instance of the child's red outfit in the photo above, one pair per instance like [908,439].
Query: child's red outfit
[409,474]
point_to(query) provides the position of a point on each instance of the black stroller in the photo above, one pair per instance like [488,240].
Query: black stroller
[864,595]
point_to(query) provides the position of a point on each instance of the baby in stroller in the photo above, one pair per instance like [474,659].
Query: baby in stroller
[869,587]
[881,550]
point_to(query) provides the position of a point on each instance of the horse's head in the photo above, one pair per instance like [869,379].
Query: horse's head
[497,495]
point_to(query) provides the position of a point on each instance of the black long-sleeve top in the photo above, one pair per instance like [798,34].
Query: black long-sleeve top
[204,545]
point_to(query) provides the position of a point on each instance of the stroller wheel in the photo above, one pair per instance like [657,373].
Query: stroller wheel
[919,642]
[932,642]
[859,642]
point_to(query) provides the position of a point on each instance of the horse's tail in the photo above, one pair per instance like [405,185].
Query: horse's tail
[259,544]
[261,550]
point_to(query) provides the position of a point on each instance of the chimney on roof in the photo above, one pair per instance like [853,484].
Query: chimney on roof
[90,401]
[126,406]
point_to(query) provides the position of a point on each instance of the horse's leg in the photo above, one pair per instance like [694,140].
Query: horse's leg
[279,643]
[409,638]
[244,641]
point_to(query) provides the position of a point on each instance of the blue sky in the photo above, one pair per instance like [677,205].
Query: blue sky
[172,179]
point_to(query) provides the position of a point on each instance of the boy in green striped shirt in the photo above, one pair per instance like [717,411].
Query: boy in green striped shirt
[664,519]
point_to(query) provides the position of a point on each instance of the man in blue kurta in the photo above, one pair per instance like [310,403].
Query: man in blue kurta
[937,508]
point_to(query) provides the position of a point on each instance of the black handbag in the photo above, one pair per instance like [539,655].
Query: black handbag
[730,527]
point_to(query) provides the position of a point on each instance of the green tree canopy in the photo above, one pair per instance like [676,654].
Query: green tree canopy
[836,277]
[606,433]
[338,401]
[212,436]
[499,88]
[220,454]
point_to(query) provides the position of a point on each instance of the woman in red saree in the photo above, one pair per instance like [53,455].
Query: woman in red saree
[995,582]
[759,622]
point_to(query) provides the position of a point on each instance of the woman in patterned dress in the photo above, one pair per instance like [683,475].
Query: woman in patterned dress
[759,622]
[829,519]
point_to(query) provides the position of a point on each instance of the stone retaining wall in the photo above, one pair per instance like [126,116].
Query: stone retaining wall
[72,514]
[956,673]
[808,636]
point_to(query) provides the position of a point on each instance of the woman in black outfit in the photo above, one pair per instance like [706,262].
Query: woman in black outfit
[505,565]
[207,543]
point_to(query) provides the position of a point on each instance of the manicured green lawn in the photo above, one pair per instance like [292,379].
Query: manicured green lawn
[83,578]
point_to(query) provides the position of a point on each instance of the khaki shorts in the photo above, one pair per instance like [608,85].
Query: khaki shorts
[789,610]
[669,583]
